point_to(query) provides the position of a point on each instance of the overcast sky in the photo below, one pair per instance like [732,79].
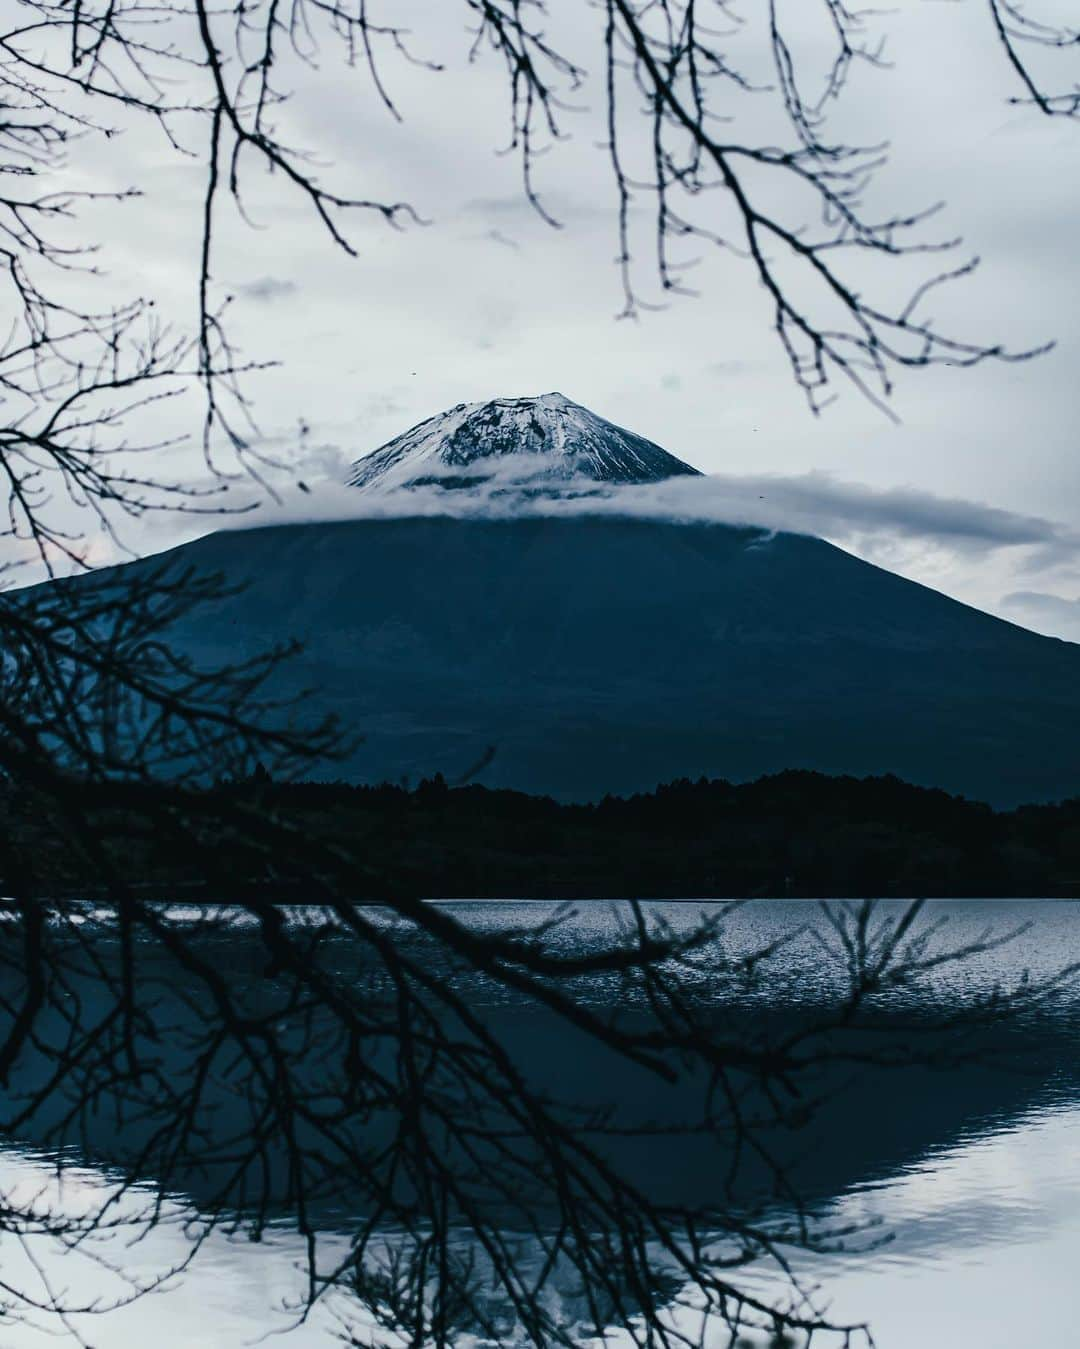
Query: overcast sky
[976,491]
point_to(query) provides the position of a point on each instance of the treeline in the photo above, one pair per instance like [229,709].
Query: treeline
[794,833]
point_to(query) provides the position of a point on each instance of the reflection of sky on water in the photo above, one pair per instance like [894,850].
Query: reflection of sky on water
[232,1293]
[1018,1183]
[984,1244]
[983,1226]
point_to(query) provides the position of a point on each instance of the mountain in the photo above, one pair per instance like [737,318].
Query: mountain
[577,654]
[542,440]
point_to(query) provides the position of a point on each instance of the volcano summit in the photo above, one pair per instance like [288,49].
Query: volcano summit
[578,652]
[542,441]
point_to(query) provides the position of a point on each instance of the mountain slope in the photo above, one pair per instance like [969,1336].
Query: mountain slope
[597,654]
[579,654]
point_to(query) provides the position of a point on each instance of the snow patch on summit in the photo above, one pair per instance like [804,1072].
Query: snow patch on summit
[542,443]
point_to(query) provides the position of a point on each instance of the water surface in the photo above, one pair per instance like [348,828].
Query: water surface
[965,1184]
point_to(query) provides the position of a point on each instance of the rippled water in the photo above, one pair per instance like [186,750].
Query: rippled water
[966,1184]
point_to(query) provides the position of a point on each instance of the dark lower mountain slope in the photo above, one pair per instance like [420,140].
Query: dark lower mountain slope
[598,654]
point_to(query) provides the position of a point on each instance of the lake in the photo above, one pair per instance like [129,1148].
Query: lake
[958,1182]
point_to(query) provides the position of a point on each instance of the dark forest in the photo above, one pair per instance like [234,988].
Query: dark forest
[797,834]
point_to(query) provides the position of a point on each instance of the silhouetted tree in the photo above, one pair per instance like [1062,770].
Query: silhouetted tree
[348,1057]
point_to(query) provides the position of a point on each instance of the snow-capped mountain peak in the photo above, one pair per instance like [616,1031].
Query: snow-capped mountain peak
[541,441]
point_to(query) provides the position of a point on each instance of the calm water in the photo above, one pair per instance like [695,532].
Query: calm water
[969,1180]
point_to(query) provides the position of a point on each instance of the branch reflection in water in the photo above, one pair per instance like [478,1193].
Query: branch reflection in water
[422,1181]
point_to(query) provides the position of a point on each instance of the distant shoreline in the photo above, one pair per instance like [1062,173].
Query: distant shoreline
[793,835]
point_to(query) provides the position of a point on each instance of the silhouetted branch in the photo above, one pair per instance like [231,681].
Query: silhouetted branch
[269,1065]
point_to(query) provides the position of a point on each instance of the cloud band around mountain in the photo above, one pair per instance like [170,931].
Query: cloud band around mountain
[812,503]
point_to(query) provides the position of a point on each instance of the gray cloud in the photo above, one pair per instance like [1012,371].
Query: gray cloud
[326,463]
[558,203]
[497,236]
[1052,614]
[822,504]
[267,289]
[812,503]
